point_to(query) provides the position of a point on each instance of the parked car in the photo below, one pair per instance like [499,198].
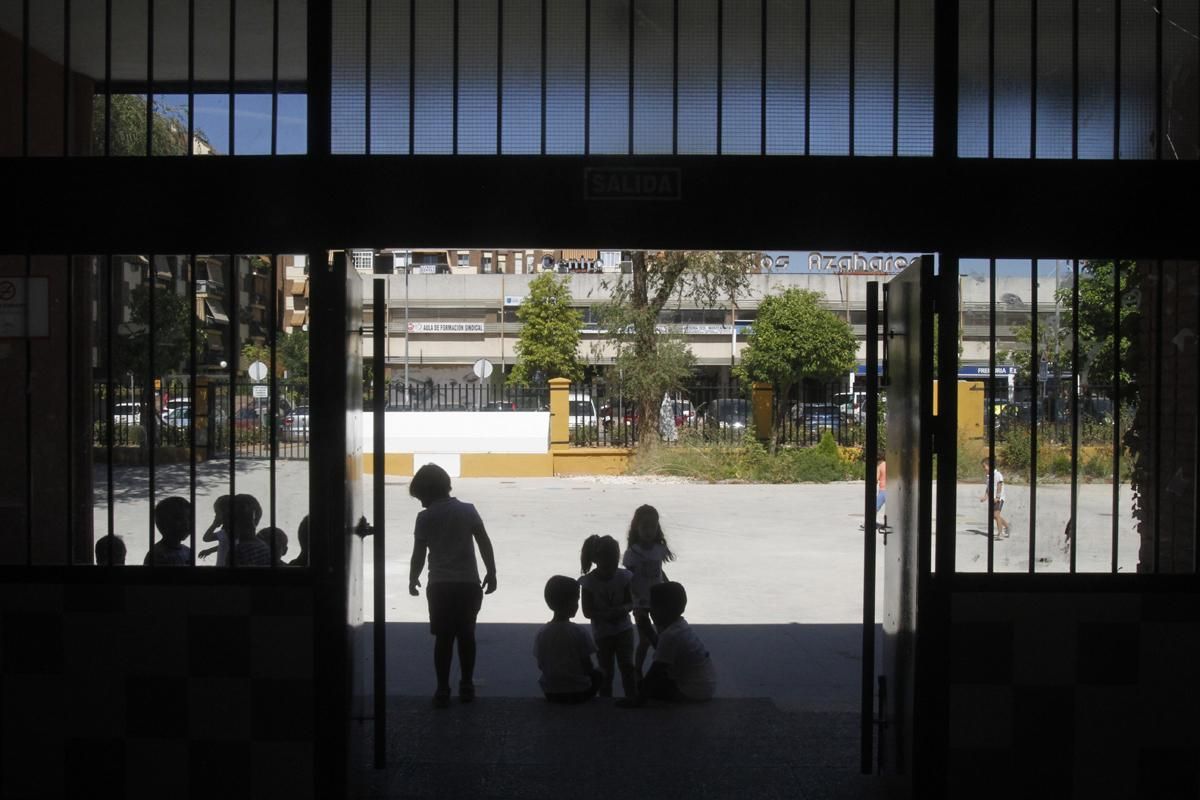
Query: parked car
[177,403]
[820,416]
[499,405]
[180,417]
[127,413]
[733,413]
[294,426]
[581,411]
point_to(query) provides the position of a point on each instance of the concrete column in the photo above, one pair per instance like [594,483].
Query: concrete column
[762,407]
[560,409]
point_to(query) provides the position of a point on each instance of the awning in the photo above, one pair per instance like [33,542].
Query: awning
[580,255]
[216,310]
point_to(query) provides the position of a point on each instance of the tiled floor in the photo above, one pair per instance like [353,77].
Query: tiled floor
[526,748]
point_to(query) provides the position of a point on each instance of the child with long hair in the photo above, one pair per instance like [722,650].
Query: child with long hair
[645,553]
[607,601]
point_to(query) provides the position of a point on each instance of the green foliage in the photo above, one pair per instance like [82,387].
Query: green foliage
[550,335]
[646,360]
[794,338]
[174,321]
[749,462]
[291,354]
[128,127]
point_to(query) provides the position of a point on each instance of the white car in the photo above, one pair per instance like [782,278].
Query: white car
[127,413]
[581,411]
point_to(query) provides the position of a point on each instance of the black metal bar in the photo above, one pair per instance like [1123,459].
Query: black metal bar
[273,407]
[850,77]
[1158,91]
[412,76]
[379,626]
[1117,81]
[66,100]
[762,79]
[991,417]
[1035,364]
[454,81]
[808,76]
[632,37]
[991,59]
[26,126]
[1116,460]
[367,81]
[1196,462]
[1158,412]
[29,471]
[947,418]
[895,78]
[720,71]
[107,86]
[193,402]
[232,72]
[150,89]
[945,81]
[275,79]
[108,394]
[233,299]
[543,106]
[1033,77]
[191,151]
[675,77]
[499,78]
[870,458]
[587,77]
[1073,530]
[70,415]
[1074,79]
[150,391]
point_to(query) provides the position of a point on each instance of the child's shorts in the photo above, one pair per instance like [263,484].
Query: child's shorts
[453,607]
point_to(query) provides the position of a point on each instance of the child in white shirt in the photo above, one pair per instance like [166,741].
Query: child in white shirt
[607,599]
[644,556]
[682,668]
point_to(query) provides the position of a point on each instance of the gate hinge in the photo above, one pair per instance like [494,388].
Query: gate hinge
[364,528]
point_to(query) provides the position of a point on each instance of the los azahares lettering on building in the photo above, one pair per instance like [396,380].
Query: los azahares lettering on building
[857,263]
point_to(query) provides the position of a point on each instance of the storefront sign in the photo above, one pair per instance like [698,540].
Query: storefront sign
[24,307]
[445,327]
[856,263]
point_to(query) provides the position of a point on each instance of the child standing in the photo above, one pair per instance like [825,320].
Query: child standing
[644,556]
[448,529]
[996,478]
[563,649]
[173,518]
[607,600]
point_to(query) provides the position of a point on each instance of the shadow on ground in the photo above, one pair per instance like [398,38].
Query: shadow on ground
[785,724]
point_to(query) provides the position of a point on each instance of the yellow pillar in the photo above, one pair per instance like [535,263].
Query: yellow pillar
[560,413]
[762,409]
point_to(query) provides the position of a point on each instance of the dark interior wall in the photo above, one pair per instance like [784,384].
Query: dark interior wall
[45,104]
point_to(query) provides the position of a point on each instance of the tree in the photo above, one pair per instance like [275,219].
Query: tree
[127,127]
[649,362]
[293,350]
[550,335]
[794,338]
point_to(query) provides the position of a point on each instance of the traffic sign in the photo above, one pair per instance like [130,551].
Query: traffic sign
[482,368]
[257,371]
[261,392]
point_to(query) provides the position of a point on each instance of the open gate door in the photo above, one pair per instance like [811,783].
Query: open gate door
[335,498]
[908,373]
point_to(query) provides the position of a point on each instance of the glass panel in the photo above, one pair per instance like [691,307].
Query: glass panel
[1181,54]
[292,119]
[1013,89]
[171,40]
[522,112]
[1138,76]
[831,78]
[212,124]
[653,77]
[252,124]
[46,79]
[873,78]
[1054,79]
[973,79]
[697,122]
[609,110]
[564,76]
[916,77]
[11,131]
[433,80]
[1096,76]
[785,78]
[741,91]
[477,76]
[348,103]
[389,78]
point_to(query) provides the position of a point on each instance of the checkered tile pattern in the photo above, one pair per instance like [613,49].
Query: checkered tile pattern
[1074,695]
[156,691]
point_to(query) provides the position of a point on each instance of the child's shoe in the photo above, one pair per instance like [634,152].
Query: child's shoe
[466,691]
[441,698]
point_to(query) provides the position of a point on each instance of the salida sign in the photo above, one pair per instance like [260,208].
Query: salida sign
[631,183]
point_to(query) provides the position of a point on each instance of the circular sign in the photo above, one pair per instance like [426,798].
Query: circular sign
[8,290]
[257,371]
[482,368]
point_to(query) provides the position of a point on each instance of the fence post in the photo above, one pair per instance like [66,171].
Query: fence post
[762,408]
[560,409]
[202,399]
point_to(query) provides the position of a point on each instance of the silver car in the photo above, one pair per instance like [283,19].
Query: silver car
[294,426]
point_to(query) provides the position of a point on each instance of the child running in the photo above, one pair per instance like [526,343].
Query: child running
[644,556]
[607,600]
[449,529]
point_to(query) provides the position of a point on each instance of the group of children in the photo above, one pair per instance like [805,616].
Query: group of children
[447,531]
[239,541]
[682,668]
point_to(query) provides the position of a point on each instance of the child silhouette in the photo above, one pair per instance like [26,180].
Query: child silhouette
[682,668]
[644,556]
[173,518]
[607,601]
[563,649]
